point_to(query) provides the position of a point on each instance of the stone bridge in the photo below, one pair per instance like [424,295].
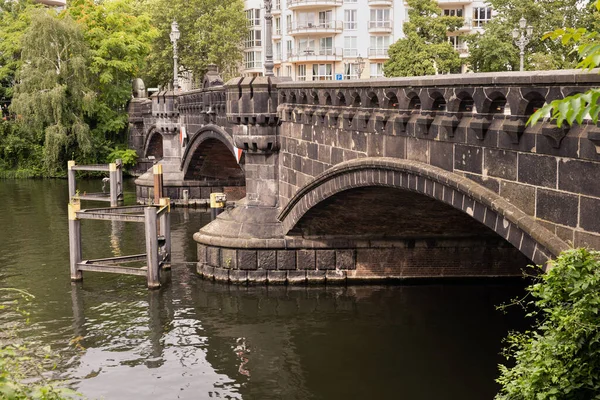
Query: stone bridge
[393,178]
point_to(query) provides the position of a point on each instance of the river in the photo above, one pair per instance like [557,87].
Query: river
[194,339]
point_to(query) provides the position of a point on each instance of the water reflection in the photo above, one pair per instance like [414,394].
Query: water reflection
[196,339]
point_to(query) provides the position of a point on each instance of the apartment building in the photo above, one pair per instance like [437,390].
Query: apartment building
[339,39]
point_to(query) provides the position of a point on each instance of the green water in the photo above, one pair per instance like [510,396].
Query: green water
[194,339]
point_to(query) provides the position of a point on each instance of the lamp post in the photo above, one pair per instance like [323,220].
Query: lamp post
[174,35]
[268,39]
[522,36]
[360,65]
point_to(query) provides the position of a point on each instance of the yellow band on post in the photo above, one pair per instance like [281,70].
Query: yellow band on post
[165,201]
[112,167]
[157,169]
[70,164]
[74,206]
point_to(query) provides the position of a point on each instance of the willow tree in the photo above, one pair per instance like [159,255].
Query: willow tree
[53,95]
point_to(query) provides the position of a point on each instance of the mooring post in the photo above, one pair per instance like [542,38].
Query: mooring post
[113,176]
[217,204]
[186,197]
[158,182]
[165,230]
[153,273]
[119,163]
[74,239]
[71,178]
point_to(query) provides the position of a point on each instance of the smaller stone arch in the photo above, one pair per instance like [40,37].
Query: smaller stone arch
[341,99]
[391,101]
[315,98]
[153,145]
[303,99]
[494,103]
[282,97]
[531,102]
[414,101]
[292,98]
[356,101]
[327,99]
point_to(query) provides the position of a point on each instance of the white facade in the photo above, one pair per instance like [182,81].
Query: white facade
[319,39]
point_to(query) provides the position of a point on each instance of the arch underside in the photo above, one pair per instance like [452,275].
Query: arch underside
[385,200]
[210,157]
[154,145]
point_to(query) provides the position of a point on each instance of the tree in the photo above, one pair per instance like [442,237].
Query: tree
[53,93]
[120,42]
[560,357]
[494,49]
[212,32]
[425,49]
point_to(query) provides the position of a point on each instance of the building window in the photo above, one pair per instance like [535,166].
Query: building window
[277,55]
[253,59]
[277,5]
[253,39]
[278,26]
[277,71]
[351,71]
[458,43]
[350,19]
[453,12]
[379,46]
[380,18]
[289,48]
[376,70]
[306,46]
[350,1]
[326,46]
[288,23]
[301,72]
[322,72]
[253,17]
[288,70]
[325,19]
[350,46]
[481,15]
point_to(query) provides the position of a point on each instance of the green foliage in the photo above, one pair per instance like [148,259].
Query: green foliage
[425,49]
[128,156]
[577,107]
[19,362]
[53,92]
[494,49]
[560,357]
[212,32]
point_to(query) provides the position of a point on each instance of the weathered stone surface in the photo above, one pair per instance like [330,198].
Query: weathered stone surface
[522,196]
[267,259]
[247,259]
[306,259]
[537,170]
[345,259]
[501,164]
[257,276]
[326,259]
[579,177]
[558,207]
[589,218]
[276,277]
[286,259]
[296,277]
[229,258]
[468,158]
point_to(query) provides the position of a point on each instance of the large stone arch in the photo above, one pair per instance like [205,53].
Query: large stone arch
[153,145]
[505,219]
[204,140]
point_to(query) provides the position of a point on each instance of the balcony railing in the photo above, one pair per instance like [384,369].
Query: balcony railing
[254,64]
[381,2]
[376,52]
[323,54]
[381,26]
[295,4]
[300,27]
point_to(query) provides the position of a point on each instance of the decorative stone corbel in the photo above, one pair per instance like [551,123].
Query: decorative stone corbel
[514,128]
[554,134]
[479,126]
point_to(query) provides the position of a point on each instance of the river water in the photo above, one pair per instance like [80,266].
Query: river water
[194,339]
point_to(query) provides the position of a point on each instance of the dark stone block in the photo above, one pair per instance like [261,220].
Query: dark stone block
[502,227]
[537,170]
[313,151]
[276,277]
[487,182]
[394,146]
[258,276]
[306,259]
[359,141]
[221,274]
[345,259]
[201,253]
[296,277]
[490,219]
[286,259]
[468,158]
[589,218]
[335,277]
[213,255]
[228,258]
[267,259]
[416,149]
[522,196]
[557,207]
[441,154]
[566,234]
[374,145]
[247,259]
[579,177]
[337,155]
[238,276]
[501,164]
[583,239]
[325,259]
[527,246]
[315,276]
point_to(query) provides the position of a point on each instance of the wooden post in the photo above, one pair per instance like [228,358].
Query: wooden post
[158,182]
[165,229]
[74,240]
[153,273]
[119,163]
[71,177]
[114,199]
[186,197]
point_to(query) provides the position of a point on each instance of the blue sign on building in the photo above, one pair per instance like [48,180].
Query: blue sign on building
[339,77]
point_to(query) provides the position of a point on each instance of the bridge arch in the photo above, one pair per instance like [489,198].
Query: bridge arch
[480,204]
[153,145]
[211,152]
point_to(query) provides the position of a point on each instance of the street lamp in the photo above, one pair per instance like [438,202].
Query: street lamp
[522,36]
[174,35]
[268,39]
[360,65]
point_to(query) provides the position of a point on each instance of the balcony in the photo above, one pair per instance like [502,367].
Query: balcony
[453,2]
[317,55]
[301,4]
[276,34]
[315,28]
[381,26]
[385,3]
[375,53]
[253,66]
